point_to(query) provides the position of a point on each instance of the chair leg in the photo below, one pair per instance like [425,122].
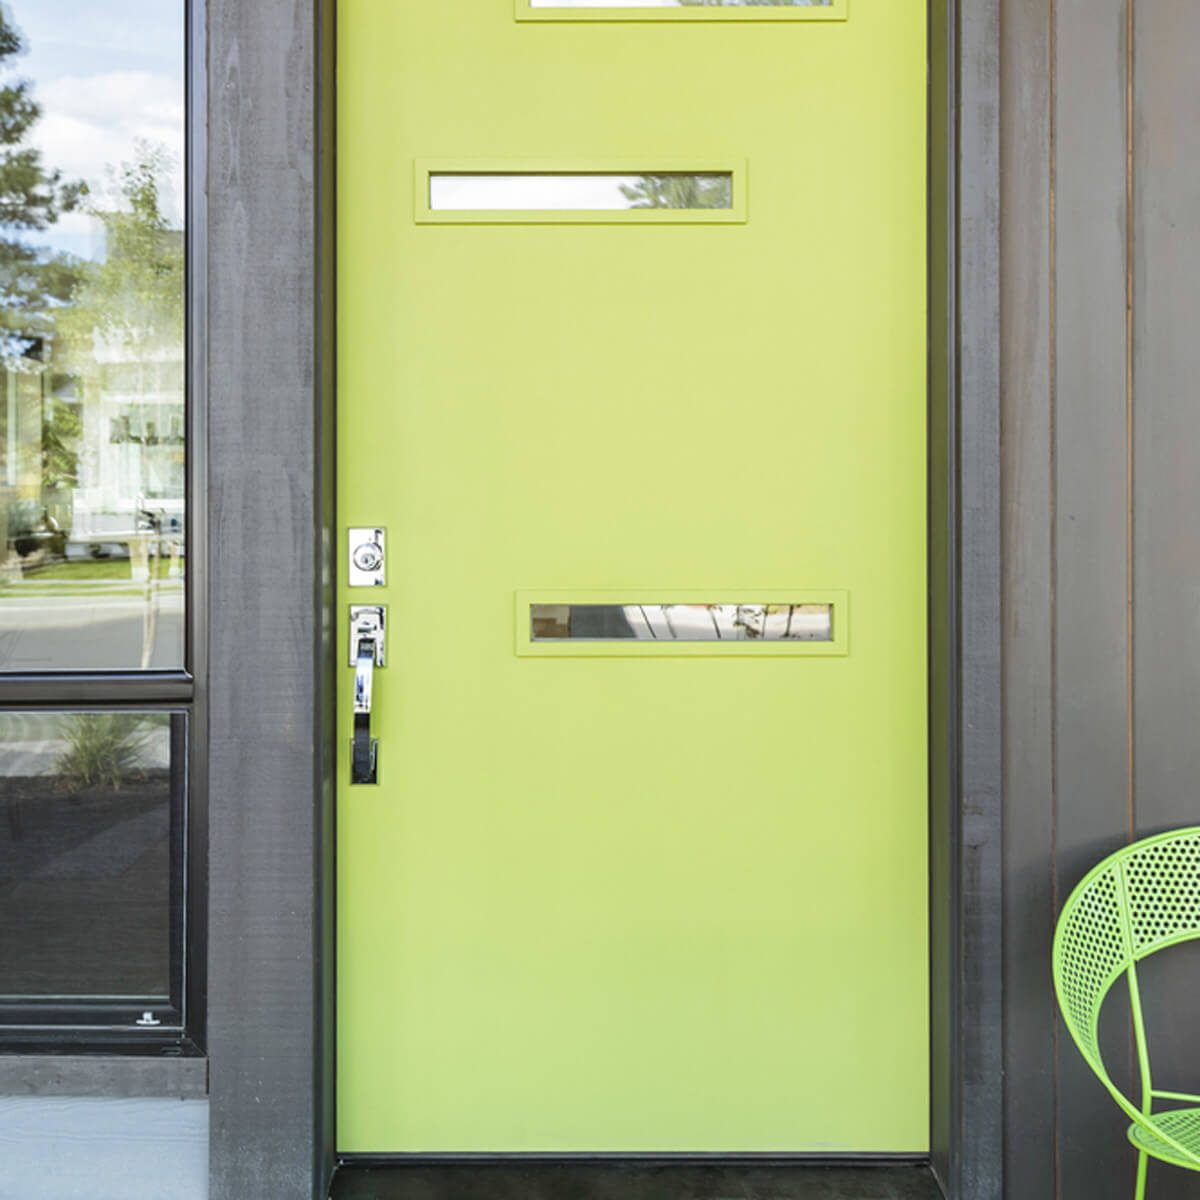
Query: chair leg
[1140,1192]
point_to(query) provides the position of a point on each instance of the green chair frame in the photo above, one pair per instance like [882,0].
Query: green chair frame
[1138,901]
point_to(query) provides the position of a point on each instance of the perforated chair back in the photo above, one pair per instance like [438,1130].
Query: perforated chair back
[1136,902]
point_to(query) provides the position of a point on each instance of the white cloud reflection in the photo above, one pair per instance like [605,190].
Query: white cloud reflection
[106,76]
[473,193]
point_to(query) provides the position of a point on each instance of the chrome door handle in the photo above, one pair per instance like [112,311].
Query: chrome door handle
[367,624]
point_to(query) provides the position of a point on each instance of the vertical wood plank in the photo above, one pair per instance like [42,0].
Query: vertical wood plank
[1092,713]
[1166,360]
[1027,482]
[978,1168]
[1167,415]
[269,557]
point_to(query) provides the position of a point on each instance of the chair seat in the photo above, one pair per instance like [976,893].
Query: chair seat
[1181,1124]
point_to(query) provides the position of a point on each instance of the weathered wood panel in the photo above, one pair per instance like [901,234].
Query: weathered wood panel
[1167,413]
[269,653]
[977,1170]
[1166,475]
[1028,591]
[1118,436]
[1093,802]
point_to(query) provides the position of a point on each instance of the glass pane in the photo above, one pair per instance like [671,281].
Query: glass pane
[92,426]
[88,802]
[579,192]
[680,3]
[682,622]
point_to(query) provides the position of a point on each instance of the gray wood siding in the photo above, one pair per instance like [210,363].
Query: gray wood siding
[1100,281]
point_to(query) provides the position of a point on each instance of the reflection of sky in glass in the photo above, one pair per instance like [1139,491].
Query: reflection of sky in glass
[105,75]
[549,193]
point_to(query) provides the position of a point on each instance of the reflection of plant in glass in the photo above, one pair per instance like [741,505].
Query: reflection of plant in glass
[679,191]
[32,280]
[102,749]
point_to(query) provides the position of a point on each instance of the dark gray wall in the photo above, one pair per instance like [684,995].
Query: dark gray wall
[1101,299]
[270,850]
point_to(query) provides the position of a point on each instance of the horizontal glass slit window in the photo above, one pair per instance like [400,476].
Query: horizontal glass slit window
[687,10]
[599,193]
[682,622]
[681,3]
[647,623]
[550,193]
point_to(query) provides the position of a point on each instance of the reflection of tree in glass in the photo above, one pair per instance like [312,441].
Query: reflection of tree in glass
[33,281]
[133,299]
[61,432]
[92,365]
[679,191]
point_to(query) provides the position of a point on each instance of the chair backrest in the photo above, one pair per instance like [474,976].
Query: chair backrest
[1140,900]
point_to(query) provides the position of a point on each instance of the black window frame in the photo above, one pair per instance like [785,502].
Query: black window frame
[99,1024]
[114,1014]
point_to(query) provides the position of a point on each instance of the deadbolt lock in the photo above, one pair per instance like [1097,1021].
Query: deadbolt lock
[367,558]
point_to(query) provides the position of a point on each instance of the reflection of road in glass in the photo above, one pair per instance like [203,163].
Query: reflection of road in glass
[729,622]
[97,625]
[93,414]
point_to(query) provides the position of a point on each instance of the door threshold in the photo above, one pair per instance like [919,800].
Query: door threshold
[642,1178]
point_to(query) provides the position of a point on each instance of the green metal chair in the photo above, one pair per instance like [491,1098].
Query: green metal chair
[1138,901]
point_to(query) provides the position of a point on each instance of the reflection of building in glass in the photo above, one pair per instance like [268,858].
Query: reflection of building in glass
[134,417]
[98,458]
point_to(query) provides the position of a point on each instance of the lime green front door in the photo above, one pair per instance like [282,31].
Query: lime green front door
[632,354]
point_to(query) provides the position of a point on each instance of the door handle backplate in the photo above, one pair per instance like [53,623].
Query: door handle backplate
[367,651]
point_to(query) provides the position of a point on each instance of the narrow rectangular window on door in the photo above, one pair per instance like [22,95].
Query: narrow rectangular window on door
[652,624]
[541,192]
[681,10]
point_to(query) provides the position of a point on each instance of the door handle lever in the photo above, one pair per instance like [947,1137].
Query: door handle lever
[366,653]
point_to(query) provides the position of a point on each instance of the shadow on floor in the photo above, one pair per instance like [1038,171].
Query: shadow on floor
[626,1181]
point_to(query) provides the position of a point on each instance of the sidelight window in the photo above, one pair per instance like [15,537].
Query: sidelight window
[100,638]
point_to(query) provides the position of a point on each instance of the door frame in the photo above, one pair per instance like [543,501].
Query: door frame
[270,361]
